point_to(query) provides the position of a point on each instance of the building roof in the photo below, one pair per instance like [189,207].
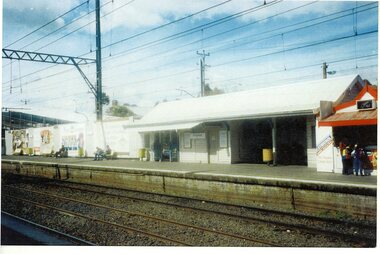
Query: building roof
[292,99]
[368,117]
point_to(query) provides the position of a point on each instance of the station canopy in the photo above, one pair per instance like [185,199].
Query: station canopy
[299,98]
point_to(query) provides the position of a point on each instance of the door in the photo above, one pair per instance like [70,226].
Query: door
[213,142]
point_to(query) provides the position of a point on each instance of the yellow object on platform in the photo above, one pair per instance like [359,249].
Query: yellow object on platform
[142,152]
[267,155]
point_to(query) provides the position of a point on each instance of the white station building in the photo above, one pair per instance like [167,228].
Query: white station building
[236,127]
[297,122]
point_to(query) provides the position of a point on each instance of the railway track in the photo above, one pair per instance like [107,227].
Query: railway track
[133,230]
[51,236]
[358,239]
[301,226]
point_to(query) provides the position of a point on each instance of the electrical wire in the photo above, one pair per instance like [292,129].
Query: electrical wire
[293,49]
[60,16]
[167,24]
[223,33]
[197,28]
[296,48]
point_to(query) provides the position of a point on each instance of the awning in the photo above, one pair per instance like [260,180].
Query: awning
[368,117]
[163,127]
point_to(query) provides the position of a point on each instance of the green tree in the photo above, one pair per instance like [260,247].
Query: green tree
[209,91]
[120,110]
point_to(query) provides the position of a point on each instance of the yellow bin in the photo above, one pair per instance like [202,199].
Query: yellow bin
[142,153]
[267,155]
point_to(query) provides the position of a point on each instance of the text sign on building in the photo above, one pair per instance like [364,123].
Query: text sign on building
[365,104]
[197,135]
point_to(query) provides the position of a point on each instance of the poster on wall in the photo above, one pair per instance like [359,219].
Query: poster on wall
[73,139]
[187,140]
[46,141]
[19,142]
[223,140]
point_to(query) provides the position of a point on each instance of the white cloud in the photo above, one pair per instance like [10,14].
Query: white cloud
[54,7]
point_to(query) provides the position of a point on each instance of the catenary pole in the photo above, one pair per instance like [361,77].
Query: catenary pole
[324,68]
[203,66]
[99,96]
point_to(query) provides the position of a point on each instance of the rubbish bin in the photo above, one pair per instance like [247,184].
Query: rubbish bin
[142,153]
[267,155]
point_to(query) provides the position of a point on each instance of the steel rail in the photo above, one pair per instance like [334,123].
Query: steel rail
[263,210]
[47,229]
[152,217]
[75,214]
[302,227]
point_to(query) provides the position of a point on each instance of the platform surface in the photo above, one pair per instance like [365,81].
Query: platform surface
[257,171]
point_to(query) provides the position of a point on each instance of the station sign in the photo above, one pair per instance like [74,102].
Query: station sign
[366,104]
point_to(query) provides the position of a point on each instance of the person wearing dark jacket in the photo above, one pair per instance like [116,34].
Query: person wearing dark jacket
[356,154]
[60,152]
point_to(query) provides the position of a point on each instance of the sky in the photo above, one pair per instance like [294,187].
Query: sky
[149,48]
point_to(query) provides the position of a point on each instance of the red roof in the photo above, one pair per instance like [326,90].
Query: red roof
[365,117]
[372,90]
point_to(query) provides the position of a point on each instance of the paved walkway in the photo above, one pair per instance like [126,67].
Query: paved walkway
[293,173]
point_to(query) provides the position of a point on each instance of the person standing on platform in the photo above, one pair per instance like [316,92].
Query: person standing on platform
[342,146]
[346,159]
[356,155]
[157,148]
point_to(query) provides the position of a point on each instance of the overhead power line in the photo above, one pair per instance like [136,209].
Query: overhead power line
[167,24]
[64,26]
[60,16]
[296,48]
[234,15]
[80,28]
[198,28]
[255,35]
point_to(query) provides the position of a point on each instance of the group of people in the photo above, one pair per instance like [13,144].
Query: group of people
[100,154]
[354,159]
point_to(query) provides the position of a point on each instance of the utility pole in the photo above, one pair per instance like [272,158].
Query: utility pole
[99,93]
[203,66]
[324,67]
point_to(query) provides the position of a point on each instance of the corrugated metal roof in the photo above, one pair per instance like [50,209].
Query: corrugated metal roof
[291,99]
[351,118]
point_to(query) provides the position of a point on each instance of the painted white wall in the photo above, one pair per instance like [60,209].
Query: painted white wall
[325,153]
[121,139]
[8,143]
[197,153]
[312,157]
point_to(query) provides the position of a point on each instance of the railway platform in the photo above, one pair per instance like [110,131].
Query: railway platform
[296,188]
[255,171]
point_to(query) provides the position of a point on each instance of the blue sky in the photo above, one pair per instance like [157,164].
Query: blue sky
[281,42]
